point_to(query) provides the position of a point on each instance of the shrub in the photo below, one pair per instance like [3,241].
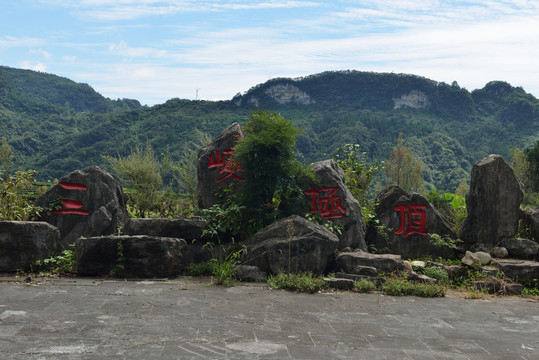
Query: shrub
[15,197]
[399,286]
[437,273]
[200,269]
[364,286]
[304,282]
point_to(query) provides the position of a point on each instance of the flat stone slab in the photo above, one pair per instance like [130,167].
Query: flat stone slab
[523,271]
[74,318]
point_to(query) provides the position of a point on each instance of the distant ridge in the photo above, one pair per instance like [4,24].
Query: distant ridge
[56,125]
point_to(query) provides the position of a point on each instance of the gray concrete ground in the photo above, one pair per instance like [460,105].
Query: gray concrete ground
[73,318]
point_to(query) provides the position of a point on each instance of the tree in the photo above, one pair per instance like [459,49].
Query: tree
[403,169]
[6,157]
[272,173]
[523,168]
[185,171]
[532,156]
[359,175]
[143,175]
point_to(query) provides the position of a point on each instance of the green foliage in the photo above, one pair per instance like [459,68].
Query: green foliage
[60,264]
[143,175]
[185,171]
[451,206]
[16,192]
[225,218]
[273,176]
[359,175]
[336,228]
[364,286]
[119,268]
[532,155]
[398,286]
[304,282]
[437,240]
[56,129]
[436,272]
[403,169]
[200,269]
[6,157]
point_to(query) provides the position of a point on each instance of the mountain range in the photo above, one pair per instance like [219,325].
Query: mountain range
[56,125]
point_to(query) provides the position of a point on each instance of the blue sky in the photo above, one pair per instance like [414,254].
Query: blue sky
[155,50]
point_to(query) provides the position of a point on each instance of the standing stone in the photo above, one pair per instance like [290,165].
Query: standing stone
[216,167]
[406,220]
[331,198]
[92,204]
[22,243]
[493,204]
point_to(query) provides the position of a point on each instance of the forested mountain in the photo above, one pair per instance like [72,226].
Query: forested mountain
[446,126]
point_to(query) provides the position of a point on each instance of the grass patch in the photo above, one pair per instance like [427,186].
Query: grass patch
[200,269]
[364,286]
[400,287]
[304,282]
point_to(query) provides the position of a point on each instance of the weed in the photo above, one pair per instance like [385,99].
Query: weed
[304,282]
[438,241]
[335,228]
[398,286]
[60,264]
[119,269]
[364,286]
[437,273]
[200,269]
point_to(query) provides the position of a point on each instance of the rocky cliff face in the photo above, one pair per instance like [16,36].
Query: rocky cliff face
[287,93]
[415,99]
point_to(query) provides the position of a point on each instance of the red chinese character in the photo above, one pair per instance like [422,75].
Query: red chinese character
[225,161]
[71,206]
[413,215]
[328,207]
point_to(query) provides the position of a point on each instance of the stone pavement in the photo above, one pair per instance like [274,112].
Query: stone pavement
[74,318]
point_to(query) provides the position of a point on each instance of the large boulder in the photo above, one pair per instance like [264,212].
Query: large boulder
[131,256]
[405,222]
[216,167]
[92,204]
[331,198]
[22,243]
[356,262]
[521,248]
[493,204]
[522,271]
[294,244]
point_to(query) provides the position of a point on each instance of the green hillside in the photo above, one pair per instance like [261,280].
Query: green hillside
[446,126]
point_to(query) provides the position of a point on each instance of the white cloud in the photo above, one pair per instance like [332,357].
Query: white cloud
[27,64]
[7,42]
[123,49]
[45,54]
[105,10]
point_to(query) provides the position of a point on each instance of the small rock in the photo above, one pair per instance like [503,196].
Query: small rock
[418,263]
[484,257]
[407,266]
[470,259]
[413,276]
[499,252]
